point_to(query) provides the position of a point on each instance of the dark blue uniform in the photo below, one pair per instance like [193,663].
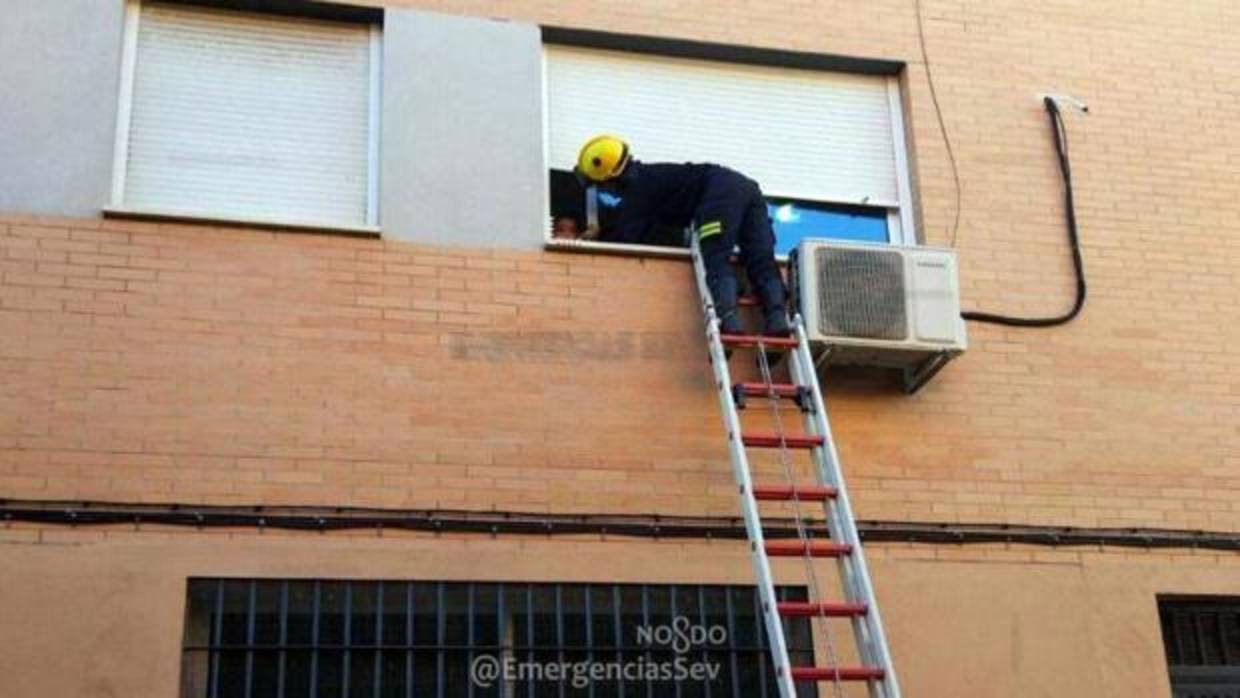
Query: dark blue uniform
[725,207]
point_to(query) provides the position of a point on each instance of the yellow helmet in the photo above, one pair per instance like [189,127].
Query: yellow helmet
[602,158]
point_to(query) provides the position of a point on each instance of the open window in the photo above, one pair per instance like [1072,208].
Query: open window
[827,147]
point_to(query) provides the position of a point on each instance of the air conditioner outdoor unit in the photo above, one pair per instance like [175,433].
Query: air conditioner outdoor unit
[880,305]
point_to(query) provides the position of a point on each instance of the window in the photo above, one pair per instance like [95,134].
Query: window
[794,220]
[252,638]
[826,147]
[1201,637]
[247,116]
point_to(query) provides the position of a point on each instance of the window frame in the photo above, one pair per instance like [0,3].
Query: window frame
[1199,675]
[204,641]
[901,221]
[117,206]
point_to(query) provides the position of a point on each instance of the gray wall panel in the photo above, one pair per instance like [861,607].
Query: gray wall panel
[462,141]
[59,72]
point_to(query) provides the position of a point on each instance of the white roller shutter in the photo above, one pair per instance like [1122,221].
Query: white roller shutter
[817,135]
[250,116]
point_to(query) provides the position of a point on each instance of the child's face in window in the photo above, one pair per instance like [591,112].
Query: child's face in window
[564,228]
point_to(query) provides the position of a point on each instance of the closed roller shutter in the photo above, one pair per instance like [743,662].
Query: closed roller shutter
[240,115]
[816,135]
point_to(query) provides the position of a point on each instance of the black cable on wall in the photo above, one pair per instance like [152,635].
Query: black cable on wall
[1065,169]
[325,519]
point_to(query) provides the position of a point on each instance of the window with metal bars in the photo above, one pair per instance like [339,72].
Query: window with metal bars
[252,638]
[1201,637]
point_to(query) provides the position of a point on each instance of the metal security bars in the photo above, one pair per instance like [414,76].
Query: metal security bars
[259,638]
[1201,637]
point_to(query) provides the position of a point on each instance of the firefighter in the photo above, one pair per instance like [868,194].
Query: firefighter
[724,208]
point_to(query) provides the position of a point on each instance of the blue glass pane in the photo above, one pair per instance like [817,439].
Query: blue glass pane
[794,220]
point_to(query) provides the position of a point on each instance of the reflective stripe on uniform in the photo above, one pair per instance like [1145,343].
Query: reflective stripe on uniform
[708,229]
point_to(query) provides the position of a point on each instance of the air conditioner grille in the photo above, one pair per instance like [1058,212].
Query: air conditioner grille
[861,293]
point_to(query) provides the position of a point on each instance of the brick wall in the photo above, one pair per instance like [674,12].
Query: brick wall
[204,364]
[963,621]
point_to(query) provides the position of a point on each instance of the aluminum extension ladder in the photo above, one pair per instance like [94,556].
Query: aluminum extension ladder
[858,604]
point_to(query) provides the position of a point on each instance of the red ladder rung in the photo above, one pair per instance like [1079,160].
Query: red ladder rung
[763,390]
[815,673]
[804,493]
[802,609]
[768,440]
[753,340]
[800,548]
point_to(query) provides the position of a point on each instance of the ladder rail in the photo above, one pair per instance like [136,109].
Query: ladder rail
[841,523]
[740,471]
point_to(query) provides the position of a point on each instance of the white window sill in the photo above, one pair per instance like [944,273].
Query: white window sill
[621,249]
[152,214]
[615,248]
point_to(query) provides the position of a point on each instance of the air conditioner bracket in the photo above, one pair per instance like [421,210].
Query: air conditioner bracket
[919,375]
